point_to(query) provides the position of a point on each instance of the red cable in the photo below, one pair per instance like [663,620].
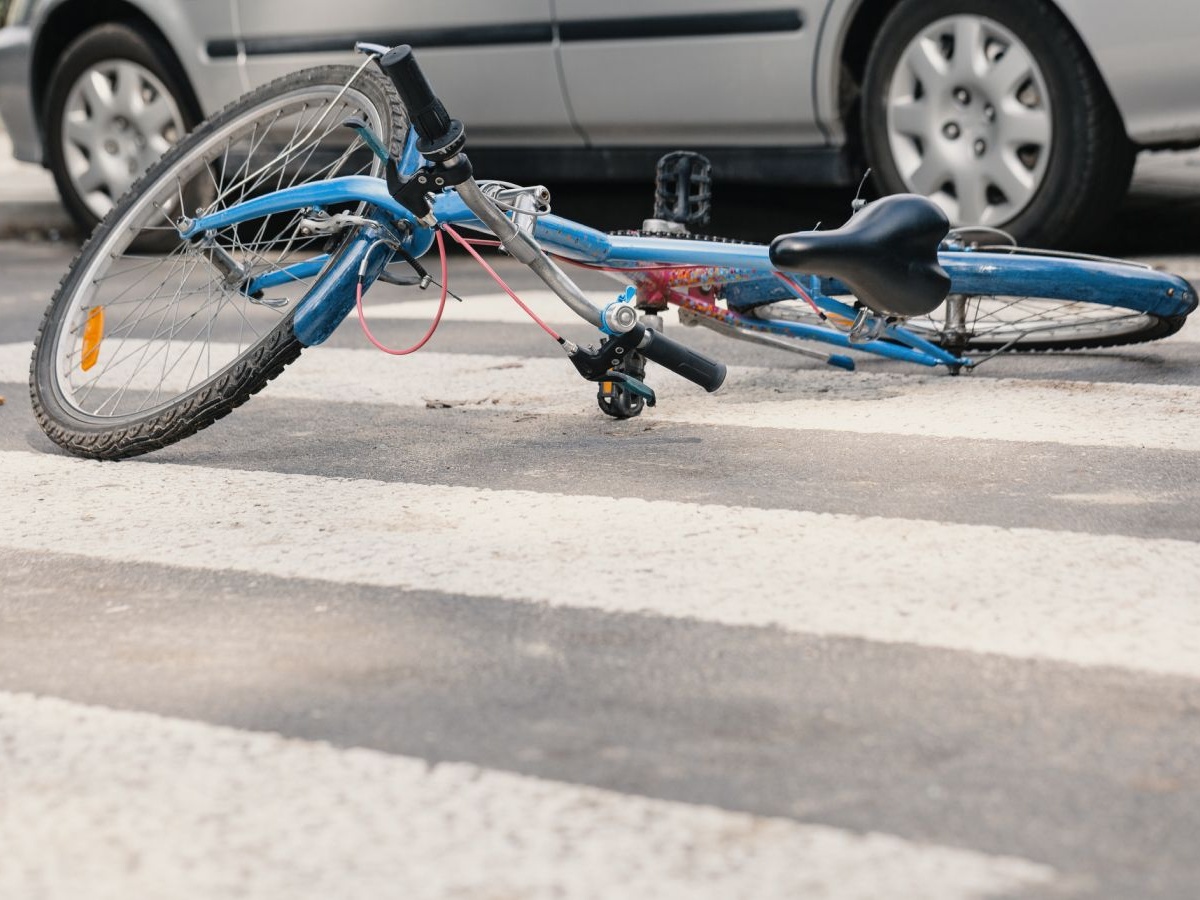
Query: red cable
[636,268]
[800,292]
[362,319]
[500,281]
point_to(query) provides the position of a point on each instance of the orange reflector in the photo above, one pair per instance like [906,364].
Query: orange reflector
[606,386]
[93,333]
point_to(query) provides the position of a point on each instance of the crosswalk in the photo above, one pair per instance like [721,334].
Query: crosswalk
[391,826]
[188,808]
[1132,597]
[1145,416]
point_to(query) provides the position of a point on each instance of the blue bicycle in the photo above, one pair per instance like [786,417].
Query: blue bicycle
[257,234]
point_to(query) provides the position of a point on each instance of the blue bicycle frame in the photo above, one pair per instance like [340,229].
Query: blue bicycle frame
[743,271]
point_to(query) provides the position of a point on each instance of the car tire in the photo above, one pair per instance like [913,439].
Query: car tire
[1018,133]
[98,141]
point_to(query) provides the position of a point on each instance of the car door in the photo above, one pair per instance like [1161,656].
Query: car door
[492,63]
[691,72]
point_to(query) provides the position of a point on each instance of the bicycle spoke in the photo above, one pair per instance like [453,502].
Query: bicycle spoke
[1010,321]
[175,321]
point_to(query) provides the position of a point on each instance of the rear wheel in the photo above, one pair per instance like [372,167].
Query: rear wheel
[139,349]
[1037,323]
[1008,298]
[1016,323]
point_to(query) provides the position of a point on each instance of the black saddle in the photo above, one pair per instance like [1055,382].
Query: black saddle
[886,255]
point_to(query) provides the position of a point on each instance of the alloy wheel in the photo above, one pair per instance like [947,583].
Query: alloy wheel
[969,120]
[118,119]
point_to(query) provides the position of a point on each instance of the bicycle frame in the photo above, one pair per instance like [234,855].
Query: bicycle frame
[686,272]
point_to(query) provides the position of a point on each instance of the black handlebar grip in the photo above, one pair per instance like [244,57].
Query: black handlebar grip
[693,366]
[440,135]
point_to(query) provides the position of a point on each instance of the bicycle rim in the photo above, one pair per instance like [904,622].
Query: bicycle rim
[1033,323]
[1014,324]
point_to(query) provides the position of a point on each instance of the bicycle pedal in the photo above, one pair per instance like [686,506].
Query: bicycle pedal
[683,189]
[615,381]
[623,397]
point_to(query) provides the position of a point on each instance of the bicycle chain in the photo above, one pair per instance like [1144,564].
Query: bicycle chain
[688,236]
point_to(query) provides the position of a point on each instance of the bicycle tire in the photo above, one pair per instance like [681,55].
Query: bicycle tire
[1022,301]
[239,152]
[1027,302]
[1091,332]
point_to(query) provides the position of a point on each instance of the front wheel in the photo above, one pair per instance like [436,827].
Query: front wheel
[140,348]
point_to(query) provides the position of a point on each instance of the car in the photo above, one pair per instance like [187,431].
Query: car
[1023,115]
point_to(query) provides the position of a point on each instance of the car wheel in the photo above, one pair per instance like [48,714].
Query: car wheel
[114,106]
[993,109]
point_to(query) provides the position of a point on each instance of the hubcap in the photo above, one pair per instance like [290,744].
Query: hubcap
[969,120]
[119,118]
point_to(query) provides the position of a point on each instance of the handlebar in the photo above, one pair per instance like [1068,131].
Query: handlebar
[695,367]
[440,136]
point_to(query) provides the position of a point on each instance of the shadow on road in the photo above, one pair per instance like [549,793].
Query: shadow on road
[1161,215]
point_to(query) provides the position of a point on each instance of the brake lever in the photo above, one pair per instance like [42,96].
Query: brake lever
[598,365]
[358,125]
[370,49]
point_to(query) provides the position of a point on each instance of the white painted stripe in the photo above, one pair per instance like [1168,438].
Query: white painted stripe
[1162,417]
[1188,334]
[1184,265]
[486,308]
[14,357]
[499,309]
[107,804]
[1079,598]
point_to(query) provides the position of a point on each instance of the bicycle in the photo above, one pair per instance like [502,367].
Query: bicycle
[257,234]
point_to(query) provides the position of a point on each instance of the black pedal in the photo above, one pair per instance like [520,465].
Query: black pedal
[683,189]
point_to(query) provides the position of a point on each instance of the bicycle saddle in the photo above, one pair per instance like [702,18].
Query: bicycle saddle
[886,254]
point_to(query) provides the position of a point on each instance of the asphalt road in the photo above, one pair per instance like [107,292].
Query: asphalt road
[436,627]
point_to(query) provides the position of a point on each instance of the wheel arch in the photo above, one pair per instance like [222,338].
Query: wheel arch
[848,31]
[72,18]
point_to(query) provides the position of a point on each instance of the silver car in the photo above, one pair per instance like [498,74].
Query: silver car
[1019,114]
